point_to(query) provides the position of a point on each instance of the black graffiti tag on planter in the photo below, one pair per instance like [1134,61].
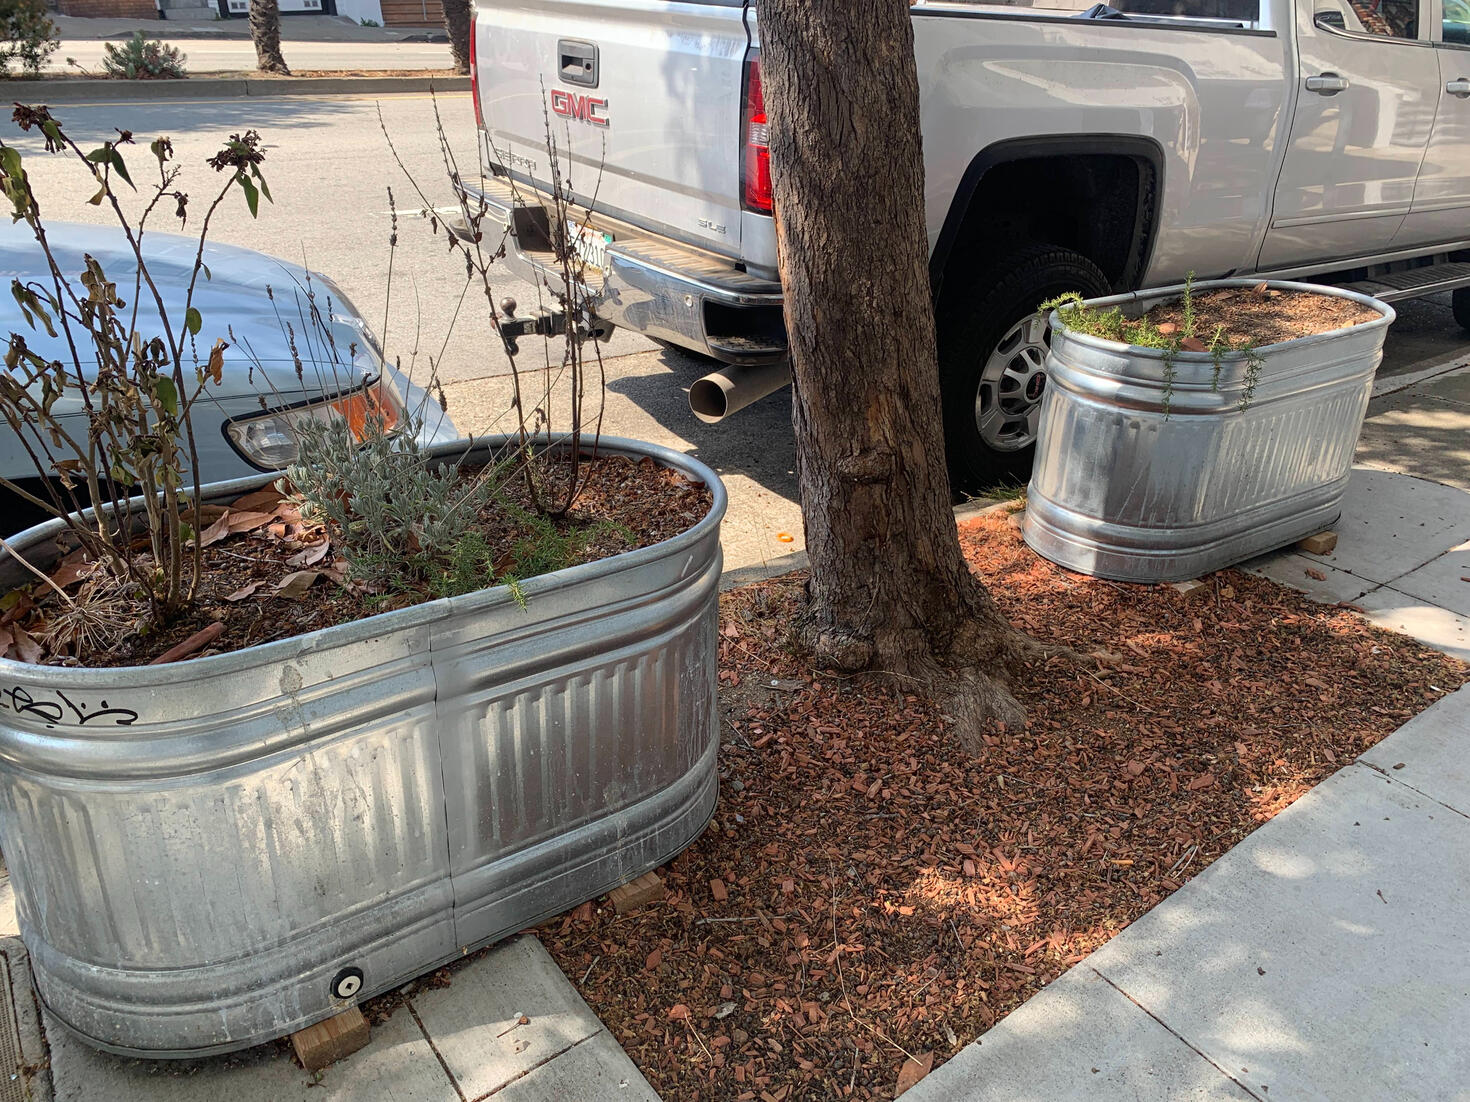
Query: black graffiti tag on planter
[64,710]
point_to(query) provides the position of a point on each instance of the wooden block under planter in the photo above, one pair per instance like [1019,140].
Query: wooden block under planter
[648,888]
[1192,589]
[325,1043]
[1323,543]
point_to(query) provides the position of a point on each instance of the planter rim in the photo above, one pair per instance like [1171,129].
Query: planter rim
[380,623]
[1150,294]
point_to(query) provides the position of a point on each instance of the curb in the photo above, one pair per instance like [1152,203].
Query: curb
[222,87]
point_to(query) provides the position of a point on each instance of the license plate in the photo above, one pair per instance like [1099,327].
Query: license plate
[589,243]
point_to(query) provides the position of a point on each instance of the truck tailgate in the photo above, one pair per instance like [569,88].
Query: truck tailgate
[650,91]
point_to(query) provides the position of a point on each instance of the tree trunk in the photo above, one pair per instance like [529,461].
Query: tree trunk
[457,22]
[265,30]
[890,590]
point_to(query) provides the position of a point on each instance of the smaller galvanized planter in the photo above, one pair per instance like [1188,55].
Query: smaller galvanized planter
[1129,486]
[211,854]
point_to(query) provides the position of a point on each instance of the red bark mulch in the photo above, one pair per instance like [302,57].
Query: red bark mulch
[868,891]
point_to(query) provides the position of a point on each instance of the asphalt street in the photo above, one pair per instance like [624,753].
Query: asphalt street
[330,172]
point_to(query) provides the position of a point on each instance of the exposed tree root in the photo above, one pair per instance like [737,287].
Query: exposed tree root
[973,677]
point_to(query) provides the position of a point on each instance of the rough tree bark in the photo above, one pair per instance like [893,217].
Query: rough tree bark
[265,31]
[457,20]
[890,590]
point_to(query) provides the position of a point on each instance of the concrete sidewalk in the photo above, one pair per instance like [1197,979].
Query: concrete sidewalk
[1403,551]
[294,28]
[1404,540]
[310,43]
[509,1027]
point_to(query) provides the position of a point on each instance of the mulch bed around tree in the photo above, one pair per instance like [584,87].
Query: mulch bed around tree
[868,890]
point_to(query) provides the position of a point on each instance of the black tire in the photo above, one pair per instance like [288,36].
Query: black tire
[1460,305]
[973,317]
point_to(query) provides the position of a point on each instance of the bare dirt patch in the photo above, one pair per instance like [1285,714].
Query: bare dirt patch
[867,891]
[1256,317]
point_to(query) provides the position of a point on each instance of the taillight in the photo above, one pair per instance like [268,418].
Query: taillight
[475,72]
[757,140]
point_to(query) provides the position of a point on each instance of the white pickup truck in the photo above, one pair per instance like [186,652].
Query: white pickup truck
[1064,149]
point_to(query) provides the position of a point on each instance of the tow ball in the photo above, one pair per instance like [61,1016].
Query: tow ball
[545,323]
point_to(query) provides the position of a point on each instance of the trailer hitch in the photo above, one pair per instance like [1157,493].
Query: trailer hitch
[546,323]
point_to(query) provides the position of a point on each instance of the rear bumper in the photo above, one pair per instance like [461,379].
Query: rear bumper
[670,291]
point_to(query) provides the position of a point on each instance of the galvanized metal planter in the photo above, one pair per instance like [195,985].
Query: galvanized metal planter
[212,854]
[1123,489]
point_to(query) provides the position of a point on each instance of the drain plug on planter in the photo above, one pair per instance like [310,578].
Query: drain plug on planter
[347,983]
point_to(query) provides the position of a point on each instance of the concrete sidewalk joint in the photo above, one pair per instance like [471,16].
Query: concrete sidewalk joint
[1403,550]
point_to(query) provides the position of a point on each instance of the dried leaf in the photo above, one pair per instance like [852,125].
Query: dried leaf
[913,1070]
[244,591]
[259,501]
[216,368]
[26,648]
[69,573]
[312,555]
[295,584]
[246,522]
[216,531]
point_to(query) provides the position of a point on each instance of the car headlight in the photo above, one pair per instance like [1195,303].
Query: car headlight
[268,441]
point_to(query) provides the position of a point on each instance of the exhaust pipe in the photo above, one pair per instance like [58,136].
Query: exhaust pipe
[732,388]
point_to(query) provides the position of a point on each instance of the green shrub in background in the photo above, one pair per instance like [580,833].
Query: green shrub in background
[140,58]
[30,37]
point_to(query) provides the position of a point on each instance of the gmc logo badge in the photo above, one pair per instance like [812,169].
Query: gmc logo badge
[569,105]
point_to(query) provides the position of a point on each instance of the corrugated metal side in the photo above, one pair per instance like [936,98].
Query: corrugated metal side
[604,741]
[1134,486]
[197,850]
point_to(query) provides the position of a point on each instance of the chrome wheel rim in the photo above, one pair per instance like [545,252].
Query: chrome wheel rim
[1008,399]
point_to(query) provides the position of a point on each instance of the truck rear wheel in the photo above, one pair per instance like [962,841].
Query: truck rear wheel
[992,352]
[1460,306]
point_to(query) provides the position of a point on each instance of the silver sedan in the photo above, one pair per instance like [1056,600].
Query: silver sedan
[298,350]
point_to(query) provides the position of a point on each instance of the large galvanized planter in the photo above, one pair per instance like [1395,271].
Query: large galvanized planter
[211,854]
[1129,484]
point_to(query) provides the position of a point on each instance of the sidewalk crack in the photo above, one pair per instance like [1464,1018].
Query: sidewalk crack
[1411,788]
[453,1082]
[538,1065]
[1176,1035]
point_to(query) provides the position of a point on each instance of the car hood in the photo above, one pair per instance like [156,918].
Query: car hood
[255,302]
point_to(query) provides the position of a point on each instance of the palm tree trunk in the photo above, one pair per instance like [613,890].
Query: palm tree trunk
[265,30]
[458,21]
